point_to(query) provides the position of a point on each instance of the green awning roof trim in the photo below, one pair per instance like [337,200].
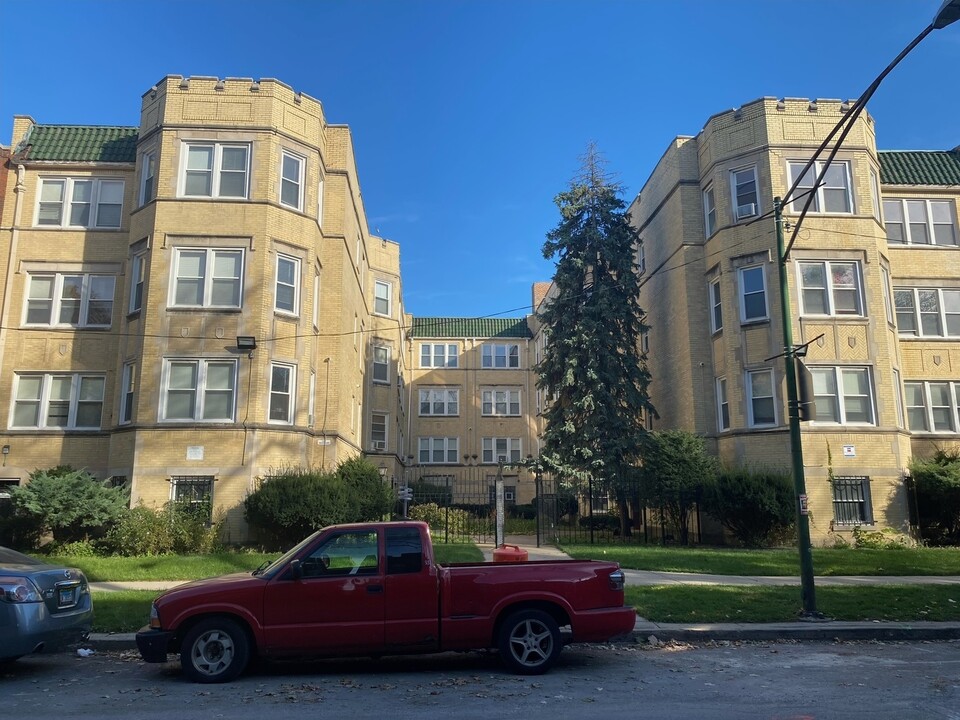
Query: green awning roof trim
[438,327]
[80,143]
[920,167]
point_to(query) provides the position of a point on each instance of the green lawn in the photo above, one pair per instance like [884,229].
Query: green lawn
[721,561]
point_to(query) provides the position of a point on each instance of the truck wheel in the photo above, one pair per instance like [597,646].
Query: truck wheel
[215,650]
[530,642]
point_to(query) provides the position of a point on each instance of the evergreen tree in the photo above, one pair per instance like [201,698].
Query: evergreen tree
[593,366]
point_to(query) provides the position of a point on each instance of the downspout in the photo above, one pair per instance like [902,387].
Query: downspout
[18,189]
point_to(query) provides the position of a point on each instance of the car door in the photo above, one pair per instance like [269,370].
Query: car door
[413,605]
[336,607]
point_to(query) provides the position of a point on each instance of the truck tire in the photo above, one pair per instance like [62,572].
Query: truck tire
[529,642]
[214,650]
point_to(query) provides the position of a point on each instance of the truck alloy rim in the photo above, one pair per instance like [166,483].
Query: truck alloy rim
[212,652]
[531,642]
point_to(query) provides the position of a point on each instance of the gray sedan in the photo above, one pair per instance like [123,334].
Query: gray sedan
[43,607]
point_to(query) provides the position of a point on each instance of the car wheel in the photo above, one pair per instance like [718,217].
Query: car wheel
[530,642]
[214,650]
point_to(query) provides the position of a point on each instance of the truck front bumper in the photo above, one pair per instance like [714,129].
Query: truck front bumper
[154,645]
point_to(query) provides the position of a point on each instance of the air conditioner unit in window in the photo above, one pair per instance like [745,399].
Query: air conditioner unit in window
[379,444]
[745,211]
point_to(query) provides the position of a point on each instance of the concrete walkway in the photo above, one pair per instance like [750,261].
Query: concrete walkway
[655,633]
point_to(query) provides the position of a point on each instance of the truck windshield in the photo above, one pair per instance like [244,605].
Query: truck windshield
[270,569]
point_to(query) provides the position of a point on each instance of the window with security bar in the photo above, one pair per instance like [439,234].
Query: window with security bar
[851,500]
[194,492]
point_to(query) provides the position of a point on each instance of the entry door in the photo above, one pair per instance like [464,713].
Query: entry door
[337,606]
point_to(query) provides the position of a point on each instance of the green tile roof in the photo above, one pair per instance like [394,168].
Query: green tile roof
[920,167]
[434,327]
[80,143]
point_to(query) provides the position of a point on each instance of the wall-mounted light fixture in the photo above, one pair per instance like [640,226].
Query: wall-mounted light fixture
[6,451]
[383,471]
[246,342]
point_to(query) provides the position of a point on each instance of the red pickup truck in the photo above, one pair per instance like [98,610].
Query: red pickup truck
[375,589]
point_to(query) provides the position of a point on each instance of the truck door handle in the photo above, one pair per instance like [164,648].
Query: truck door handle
[372,589]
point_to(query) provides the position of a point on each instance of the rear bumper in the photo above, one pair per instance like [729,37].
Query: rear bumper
[603,624]
[29,627]
[154,645]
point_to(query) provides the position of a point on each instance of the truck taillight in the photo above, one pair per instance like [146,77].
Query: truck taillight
[616,580]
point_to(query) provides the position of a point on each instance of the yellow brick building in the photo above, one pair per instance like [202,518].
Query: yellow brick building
[874,281]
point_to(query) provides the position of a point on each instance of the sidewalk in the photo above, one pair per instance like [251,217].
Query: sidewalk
[655,633]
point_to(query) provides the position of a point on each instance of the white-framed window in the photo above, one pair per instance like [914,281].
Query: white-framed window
[207,277]
[438,450]
[875,194]
[898,397]
[291,180]
[138,273]
[753,294]
[709,211]
[128,391]
[933,406]
[378,430]
[507,450]
[761,400]
[320,203]
[830,288]
[833,195]
[439,402]
[312,399]
[716,308]
[887,293]
[382,298]
[843,395]
[439,355]
[66,300]
[641,258]
[70,401]
[500,356]
[287,296]
[743,186]
[148,177]
[920,222]
[723,405]
[316,300]
[496,402]
[927,312]
[198,390]
[80,202]
[381,364]
[283,383]
[215,170]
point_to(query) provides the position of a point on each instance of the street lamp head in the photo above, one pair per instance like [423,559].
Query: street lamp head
[948,13]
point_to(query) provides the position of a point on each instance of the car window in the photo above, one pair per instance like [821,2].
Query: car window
[12,557]
[348,553]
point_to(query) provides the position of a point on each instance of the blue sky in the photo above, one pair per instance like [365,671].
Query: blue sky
[468,117]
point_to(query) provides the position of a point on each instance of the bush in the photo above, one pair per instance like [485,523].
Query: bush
[294,502]
[522,512]
[936,486]
[886,539]
[70,504]
[18,529]
[174,528]
[80,548]
[607,521]
[756,506]
[440,520]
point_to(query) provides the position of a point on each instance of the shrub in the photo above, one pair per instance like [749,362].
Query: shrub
[80,548]
[174,528]
[523,512]
[440,520]
[756,506]
[18,528]
[886,539]
[70,504]
[607,521]
[936,485]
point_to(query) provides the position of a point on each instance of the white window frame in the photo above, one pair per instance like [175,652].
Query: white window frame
[128,392]
[296,183]
[55,301]
[200,390]
[491,454]
[138,274]
[490,355]
[736,205]
[44,400]
[448,447]
[316,300]
[830,289]
[896,211]
[709,210]
[312,399]
[216,170]
[928,408]
[67,201]
[887,293]
[840,396]
[294,287]
[382,447]
[209,265]
[383,296]
[723,405]
[494,398]
[898,399]
[439,355]
[320,203]
[875,195]
[716,305]
[439,402]
[751,398]
[796,206]
[278,394]
[148,177]
[384,364]
[641,259]
[943,316]
[741,272]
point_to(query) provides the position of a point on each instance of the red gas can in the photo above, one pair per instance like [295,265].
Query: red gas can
[510,553]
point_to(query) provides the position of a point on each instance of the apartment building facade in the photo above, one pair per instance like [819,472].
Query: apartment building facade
[874,286]
[192,303]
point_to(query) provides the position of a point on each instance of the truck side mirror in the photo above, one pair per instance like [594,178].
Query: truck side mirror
[296,569]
